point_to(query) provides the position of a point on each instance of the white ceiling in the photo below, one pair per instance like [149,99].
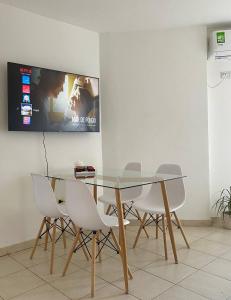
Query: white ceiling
[130,15]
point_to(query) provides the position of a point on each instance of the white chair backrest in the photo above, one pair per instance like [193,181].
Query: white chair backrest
[44,196]
[81,206]
[175,188]
[131,193]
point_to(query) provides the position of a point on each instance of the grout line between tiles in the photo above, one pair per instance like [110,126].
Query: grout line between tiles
[20,294]
[137,269]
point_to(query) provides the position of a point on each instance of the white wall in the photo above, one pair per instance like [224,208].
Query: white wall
[219,103]
[154,105]
[32,39]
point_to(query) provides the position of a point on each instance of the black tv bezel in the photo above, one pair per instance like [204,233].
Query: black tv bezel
[61,131]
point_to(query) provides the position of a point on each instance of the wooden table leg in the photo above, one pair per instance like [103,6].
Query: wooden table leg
[122,239]
[168,217]
[119,249]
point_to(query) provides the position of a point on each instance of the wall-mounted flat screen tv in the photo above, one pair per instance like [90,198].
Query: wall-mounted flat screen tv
[48,100]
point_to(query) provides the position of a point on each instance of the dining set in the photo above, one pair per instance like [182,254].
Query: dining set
[148,198]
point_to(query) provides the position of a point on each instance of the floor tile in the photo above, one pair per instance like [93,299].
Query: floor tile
[8,266]
[170,271]
[223,237]
[219,267]
[191,237]
[45,292]
[77,285]
[140,258]
[18,283]
[80,260]
[110,292]
[226,255]
[153,276]
[145,285]
[110,269]
[23,257]
[207,285]
[200,231]
[157,246]
[59,248]
[179,293]
[43,270]
[194,258]
[22,246]
[210,247]
[4,252]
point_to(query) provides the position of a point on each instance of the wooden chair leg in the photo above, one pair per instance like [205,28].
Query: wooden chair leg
[139,231]
[83,249]
[38,236]
[139,218]
[164,236]
[63,233]
[93,254]
[119,248]
[74,227]
[181,229]
[71,252]
[108,209]
[80,238]
[53,248]
[157,228]
[48,221]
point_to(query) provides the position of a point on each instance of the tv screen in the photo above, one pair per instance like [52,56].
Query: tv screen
[47,100]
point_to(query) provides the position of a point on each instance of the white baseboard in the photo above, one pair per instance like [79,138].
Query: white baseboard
[195,223]
[18,247]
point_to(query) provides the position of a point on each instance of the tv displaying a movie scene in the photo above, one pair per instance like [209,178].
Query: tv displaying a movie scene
[47,100]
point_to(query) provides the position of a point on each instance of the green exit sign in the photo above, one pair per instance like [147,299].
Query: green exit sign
[220,37]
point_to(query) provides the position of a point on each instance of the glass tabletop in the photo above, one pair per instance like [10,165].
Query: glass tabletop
[118,179]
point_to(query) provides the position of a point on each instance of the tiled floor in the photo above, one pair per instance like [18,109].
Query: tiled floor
[203,272]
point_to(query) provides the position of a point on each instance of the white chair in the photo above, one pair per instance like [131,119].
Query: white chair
[153,206]
[128,196]
[83,211]
[52,212]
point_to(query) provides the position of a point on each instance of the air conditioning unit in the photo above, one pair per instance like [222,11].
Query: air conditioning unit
[220,44]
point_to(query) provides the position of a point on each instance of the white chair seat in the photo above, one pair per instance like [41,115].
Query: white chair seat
[109,199]
[142,206]
[62,208]
[111,221]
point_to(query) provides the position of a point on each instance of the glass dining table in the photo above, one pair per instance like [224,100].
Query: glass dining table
[118,180]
